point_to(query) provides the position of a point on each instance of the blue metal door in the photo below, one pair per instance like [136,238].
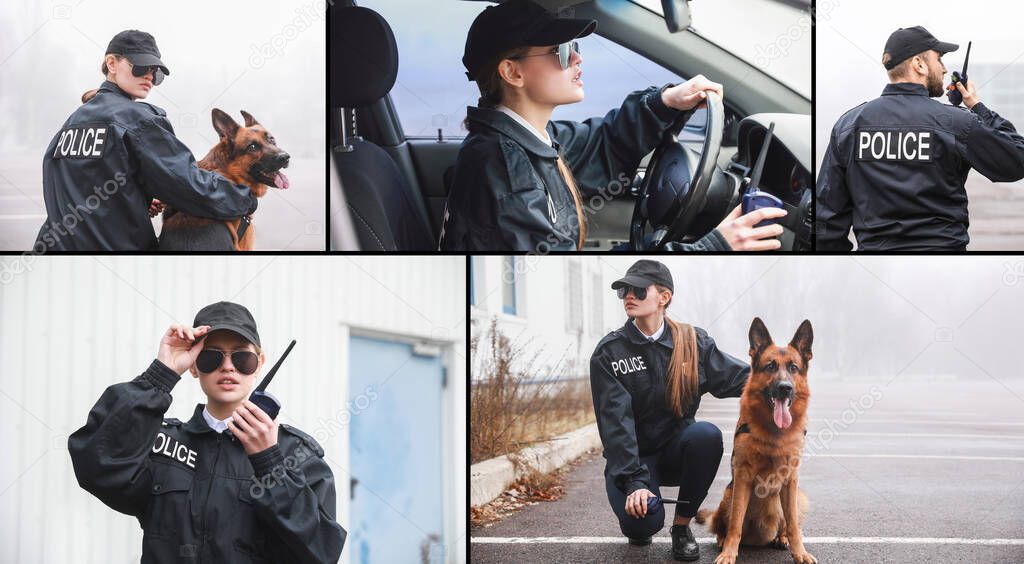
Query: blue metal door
[395,393]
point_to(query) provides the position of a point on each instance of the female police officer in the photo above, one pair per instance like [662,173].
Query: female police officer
[520,180]
[113,157]
[647,378]
[231,484]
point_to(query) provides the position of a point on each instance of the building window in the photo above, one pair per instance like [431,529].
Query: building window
[508,285]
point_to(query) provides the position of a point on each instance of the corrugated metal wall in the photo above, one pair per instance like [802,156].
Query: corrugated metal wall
[70,326]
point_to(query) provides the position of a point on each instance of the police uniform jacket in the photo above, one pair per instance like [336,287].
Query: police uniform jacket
[508,194]
[895,169]
[628,374]
[195,492]
[109,159]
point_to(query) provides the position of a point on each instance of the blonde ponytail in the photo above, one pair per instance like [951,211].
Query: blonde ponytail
[577,199]
[682,386]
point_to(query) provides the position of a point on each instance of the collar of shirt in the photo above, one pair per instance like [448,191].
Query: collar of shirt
[542,135]
[219,425]
[654,336]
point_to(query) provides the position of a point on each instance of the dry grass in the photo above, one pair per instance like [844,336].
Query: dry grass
[510,409]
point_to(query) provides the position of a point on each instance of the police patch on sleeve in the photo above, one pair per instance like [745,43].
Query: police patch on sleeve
[910,145]
[81,142]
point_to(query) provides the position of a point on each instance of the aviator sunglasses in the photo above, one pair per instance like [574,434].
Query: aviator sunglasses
[139,72]
[564,52]
[210,360]
[640,293]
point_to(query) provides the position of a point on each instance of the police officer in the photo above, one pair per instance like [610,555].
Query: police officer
[647,378]
[114,156]
[895,167]
[231,484]
[521,181]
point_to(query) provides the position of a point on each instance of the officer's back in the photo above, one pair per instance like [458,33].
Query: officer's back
[895,167]
[114,156]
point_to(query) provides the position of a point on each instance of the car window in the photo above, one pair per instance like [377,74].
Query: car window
[432,91]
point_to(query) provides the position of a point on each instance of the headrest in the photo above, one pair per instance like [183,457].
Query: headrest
[364,57]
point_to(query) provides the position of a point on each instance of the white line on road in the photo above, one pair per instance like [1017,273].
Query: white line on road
[807,540]
[975,423]
[910,456]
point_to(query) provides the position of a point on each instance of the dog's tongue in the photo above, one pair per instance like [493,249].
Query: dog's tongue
[280,180]
[783,419]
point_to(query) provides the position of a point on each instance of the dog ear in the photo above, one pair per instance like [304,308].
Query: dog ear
[224,125]
[249,120]
[802,340]
[759,337]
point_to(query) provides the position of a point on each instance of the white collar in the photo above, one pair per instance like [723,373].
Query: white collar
[219,425]
[542,135]
[657,333]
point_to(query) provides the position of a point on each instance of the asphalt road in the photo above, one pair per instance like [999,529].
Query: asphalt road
[916,472]
[287,220]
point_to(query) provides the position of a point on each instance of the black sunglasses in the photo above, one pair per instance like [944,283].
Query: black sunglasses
[564,52]
[640,293]
[210,359]
[139,72]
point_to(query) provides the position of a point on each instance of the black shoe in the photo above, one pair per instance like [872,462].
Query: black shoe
[684,546]
[640,542]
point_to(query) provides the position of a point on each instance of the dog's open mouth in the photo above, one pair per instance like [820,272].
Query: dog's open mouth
[780,411]
[275,178]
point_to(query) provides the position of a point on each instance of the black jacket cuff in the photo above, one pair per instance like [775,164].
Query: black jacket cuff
[161,376]
[634,486]
[982,110]
[265,461]
[657,105]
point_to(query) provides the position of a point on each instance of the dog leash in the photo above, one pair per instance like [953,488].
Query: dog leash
[243,226]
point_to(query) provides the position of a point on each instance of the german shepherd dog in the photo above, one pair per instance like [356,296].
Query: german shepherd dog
[762,505]
[246,155]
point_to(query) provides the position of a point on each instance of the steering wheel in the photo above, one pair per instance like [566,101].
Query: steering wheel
[676,183]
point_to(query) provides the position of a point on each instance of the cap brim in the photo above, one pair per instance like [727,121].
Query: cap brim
[631,280]
[561,30]
[147,60]
[237,330]
[943,47]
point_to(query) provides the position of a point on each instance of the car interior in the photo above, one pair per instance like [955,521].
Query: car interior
[389,190]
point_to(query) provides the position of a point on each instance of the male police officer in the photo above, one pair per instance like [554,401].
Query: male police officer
[113,156]
[895,167]
[219,488]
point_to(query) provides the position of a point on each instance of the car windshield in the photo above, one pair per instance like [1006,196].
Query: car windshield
[777,40]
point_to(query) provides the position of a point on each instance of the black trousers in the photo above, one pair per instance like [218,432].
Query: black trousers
[689,461]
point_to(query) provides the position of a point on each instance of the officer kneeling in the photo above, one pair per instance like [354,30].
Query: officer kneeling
[895,167]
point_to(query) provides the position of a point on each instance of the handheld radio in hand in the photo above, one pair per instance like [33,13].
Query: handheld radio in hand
[753,197]
[262,397]
[954,95]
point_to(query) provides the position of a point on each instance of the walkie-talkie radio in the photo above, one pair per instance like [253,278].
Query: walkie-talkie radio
[261,397]
[753,197]
[954,95]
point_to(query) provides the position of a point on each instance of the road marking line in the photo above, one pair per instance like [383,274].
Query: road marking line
[896,421]
[807,540]
[910,456]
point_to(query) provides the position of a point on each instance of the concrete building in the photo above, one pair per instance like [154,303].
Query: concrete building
[377,377]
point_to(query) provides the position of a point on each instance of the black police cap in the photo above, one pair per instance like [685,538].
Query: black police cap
[516,23]
[904,43]
[138,47]
[229,316]
[643,273]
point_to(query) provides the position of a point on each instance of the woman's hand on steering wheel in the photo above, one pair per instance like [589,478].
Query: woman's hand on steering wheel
[690,94]
[636,503]
[740,233]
